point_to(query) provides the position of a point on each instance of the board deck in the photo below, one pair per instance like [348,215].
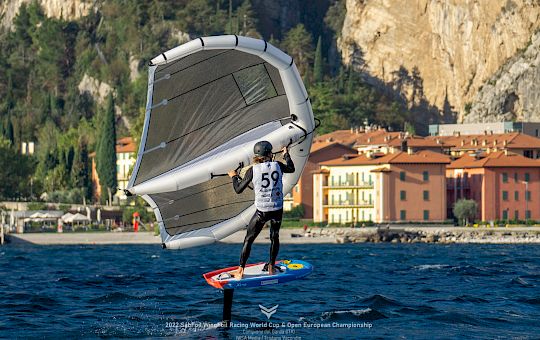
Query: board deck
[255,277]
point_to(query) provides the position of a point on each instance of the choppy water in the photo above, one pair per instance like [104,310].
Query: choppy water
[384,290]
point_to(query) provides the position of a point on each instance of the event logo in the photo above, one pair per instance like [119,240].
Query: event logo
[268,311]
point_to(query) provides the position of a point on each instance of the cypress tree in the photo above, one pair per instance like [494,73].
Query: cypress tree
[80,170]
[106,151]
[318,65]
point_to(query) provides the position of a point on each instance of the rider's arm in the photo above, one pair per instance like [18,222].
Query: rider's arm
[239,183]
[289,167]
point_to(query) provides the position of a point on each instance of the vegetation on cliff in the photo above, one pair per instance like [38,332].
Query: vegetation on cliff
[43,61]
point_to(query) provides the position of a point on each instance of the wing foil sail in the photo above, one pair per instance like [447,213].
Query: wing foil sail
[209,101]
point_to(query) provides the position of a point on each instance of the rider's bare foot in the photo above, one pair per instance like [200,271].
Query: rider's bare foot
[238,273]
[270,270]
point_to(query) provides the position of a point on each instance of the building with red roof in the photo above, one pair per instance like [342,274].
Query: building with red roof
[516,142]
[126,152]
[505,185]
[302,193]
[396,187]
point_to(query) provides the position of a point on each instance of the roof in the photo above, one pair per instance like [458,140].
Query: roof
[359,138]
[498,159]
[320,145]
[125,144]
[378,137]
[347,137]
[421,157]
[513,140]
[416,141]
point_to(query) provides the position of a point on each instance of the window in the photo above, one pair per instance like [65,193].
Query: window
[426,215]
[402,215]
[505,215]
[425,174]
[527,214]
[402,175]
[255,84]
[505,177]
[516,195]
[516,215]
[403,195]
[527,177]
[505,195]
[515,177]
[426,195]
[528,195]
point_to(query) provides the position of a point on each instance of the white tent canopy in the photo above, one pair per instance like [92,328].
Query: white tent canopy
[66,217]
[78,217]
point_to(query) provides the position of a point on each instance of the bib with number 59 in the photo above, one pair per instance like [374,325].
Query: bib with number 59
[268,186]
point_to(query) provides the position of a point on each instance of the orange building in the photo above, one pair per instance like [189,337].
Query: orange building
[516,142]
[505,185]
[125,159]
[302,193]
[396,187]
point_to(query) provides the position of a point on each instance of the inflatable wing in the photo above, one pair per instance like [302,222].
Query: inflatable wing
[209,101]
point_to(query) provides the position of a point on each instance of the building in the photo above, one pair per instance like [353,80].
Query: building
[302,192]
[505,185]
[395,187]
[345,137]
[126,153]
[527,128]
[515,142]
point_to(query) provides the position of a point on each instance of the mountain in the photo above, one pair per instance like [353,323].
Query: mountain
[69,9]
[439,55]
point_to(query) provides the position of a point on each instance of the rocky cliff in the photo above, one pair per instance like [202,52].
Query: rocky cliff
[71,9]
[513,92]
[439,52]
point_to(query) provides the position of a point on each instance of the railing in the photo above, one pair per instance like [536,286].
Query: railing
[348,204]
[348,185]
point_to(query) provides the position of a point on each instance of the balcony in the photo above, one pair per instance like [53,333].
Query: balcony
[348,204]
[348,185]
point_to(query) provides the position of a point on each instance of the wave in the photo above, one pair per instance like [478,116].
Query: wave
[454,317]
[380,301]
[112,297]
[366,314]
[531,301]
[520,282]
[431,266]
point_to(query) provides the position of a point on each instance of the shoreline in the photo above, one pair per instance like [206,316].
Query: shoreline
[313,235]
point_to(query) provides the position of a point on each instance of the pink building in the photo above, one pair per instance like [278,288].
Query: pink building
[506,186]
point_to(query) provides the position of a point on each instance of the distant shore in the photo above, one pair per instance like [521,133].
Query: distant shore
[313,235]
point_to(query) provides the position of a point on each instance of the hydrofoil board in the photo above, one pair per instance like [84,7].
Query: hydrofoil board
[254,276]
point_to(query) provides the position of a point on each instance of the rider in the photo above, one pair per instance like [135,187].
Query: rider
[266,176]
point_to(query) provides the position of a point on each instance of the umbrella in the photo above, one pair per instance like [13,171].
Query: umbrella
[77,218]
[66,217]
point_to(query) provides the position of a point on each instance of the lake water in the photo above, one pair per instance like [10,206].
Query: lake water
[356,290]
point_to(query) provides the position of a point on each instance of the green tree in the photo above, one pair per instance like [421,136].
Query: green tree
[297,44]
[318,66]
[247,19]
[106,151]
[465,210]
[80,170]
[15,172]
